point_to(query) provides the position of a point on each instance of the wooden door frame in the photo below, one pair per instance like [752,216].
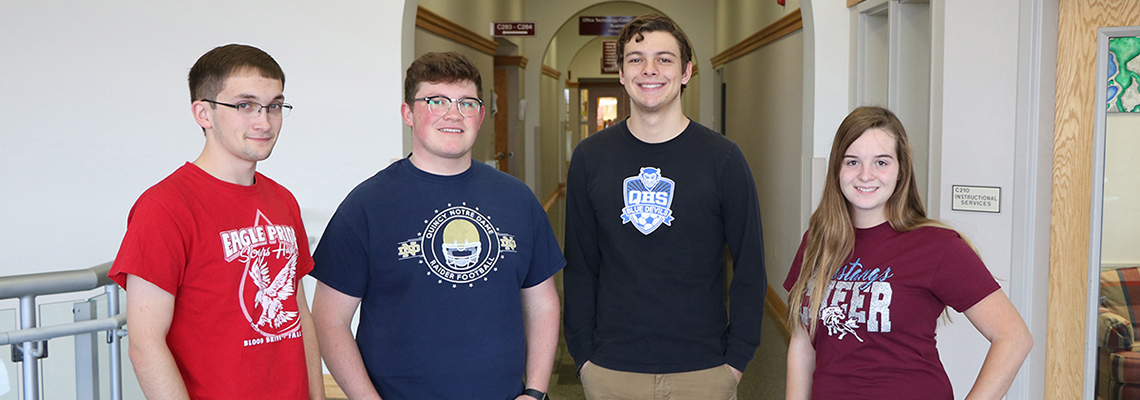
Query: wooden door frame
[502,118]
[1078,21]
[607,83]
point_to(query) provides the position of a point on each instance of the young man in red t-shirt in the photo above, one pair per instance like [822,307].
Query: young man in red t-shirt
[213,254]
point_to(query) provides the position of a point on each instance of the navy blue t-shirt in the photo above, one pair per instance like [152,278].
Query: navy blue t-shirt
[438,262]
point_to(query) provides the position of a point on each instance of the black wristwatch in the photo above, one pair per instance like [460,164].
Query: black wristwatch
[536,394]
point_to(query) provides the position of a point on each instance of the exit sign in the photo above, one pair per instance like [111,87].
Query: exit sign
[507,29]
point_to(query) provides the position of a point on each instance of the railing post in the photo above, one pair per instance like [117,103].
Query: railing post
[114,344]
[30,366]
[86,354]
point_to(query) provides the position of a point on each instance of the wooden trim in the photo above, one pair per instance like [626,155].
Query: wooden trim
[782,27]
[1072,171]
[332,391]
[444,27]
[776,308]
[570,84]
[510,61]
[853,3]
[502,119]
[615,81]
[551,198]
[551,72]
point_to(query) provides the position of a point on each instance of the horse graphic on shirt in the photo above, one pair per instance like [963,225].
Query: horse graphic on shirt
[832,318]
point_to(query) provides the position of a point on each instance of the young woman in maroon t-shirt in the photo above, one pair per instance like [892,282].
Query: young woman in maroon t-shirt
[873,274]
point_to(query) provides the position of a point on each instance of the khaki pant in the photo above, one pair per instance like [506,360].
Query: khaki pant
[717,383]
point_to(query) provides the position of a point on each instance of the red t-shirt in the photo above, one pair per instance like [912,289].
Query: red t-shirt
[233,256]
[875,337]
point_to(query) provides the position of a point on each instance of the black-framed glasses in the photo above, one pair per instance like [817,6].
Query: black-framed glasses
[439,105]
[250,109]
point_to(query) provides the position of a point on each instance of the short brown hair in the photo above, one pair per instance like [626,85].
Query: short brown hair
[652,23]
[210,72]
[441,67]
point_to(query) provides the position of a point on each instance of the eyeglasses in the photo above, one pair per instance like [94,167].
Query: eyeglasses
[251,109]
[439,105]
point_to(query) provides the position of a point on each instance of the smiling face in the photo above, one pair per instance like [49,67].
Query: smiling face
[868,175]
[441,143]
[652,72]
[235,140]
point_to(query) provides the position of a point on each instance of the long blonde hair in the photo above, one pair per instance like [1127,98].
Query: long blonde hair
[831,234]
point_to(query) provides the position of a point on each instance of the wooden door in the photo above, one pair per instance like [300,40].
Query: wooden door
[604,103]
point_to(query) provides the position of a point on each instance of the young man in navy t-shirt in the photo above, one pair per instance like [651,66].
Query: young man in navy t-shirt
[449,260]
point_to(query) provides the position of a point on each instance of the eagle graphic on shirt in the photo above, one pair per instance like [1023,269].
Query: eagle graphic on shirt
[267,256]
[270,294]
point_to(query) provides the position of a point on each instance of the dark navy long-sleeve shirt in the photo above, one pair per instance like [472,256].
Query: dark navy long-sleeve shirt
[646,230]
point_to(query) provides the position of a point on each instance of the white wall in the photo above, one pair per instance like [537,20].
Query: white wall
[979,98]
[826,74]
[95,108]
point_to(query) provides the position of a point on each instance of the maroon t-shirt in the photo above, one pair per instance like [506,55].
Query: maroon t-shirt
[876,329]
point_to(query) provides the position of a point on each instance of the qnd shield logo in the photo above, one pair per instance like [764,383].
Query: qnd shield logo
[648,197]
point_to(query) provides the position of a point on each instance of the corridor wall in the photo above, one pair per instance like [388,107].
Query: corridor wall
[763,108]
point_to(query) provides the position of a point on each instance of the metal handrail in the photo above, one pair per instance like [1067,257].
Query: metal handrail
[63,330]
[559,191]
[29,337]
[12,287]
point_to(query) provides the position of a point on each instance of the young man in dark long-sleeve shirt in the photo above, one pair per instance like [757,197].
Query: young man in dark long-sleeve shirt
[651,204]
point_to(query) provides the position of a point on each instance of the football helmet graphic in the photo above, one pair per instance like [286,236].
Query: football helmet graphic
[461,246]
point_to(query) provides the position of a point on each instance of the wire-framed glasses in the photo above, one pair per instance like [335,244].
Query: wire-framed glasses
[439,105]
[250,109]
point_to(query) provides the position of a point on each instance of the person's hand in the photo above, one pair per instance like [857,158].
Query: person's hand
[736,373]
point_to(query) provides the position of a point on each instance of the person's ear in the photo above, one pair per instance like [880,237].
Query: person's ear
[203,114]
